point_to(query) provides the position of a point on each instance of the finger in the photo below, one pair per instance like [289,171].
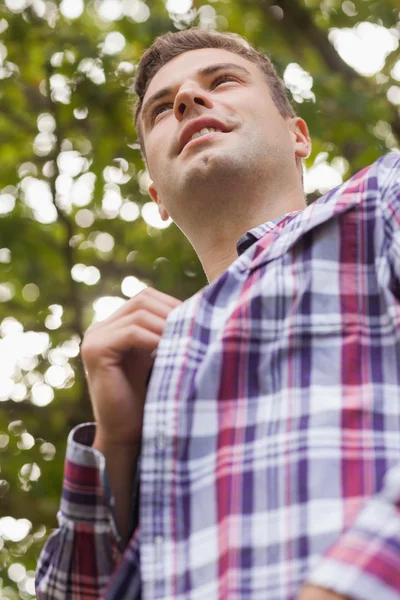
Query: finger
[136,336]
[152,307]
[133,336]
[101,341]
[150,301]
[170,300]
[143,317]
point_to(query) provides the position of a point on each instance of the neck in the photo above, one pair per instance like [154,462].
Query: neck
[217,249]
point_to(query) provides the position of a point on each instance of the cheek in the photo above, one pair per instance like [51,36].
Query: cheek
[266,114]
[274,127]
[155,158]
[158,146]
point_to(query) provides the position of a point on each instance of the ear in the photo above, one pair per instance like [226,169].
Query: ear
[300,137]
[154,196]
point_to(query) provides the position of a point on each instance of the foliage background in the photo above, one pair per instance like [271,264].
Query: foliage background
[72,184]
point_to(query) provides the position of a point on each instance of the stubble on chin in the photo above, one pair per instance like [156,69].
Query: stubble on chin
[212,166]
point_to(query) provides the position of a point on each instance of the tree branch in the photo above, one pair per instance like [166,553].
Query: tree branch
[301,20]
[298,21]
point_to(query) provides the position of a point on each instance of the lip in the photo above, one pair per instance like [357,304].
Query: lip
[195,126]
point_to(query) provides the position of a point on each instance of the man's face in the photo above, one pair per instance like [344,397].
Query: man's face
[199,90]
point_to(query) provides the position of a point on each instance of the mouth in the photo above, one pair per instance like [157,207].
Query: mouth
[200,129]
[202,136]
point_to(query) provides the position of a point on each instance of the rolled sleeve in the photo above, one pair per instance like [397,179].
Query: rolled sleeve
[87,495]
[79,558]
[364,563]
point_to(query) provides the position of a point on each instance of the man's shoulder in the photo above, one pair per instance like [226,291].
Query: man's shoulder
[388,167]
[370,183]
[361,197]
[389,163]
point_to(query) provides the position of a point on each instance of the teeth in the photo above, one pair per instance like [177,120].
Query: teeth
[203,132]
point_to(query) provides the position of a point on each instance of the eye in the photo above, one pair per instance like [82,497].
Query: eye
[159,110]
[222,79]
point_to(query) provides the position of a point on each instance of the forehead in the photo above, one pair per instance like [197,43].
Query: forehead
[184,66]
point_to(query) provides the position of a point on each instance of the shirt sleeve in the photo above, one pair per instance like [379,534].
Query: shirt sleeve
[79,557]
[364,563]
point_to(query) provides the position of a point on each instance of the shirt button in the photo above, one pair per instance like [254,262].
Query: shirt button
[161,440]
[158,542]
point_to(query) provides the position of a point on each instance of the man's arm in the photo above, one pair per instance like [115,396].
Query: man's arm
[364,563]
[118,354]
[121,466]
[80,556]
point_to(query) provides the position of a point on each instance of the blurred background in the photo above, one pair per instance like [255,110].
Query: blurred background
[78,233]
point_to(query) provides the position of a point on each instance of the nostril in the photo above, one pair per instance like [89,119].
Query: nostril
[199,101]
[181,108]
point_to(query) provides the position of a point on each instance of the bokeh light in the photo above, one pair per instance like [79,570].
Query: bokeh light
[323,176]
[299,82]
[14,530]
[109,10]
[85,274]
[152,217]
[7,203]
[42,394]
[105,306]
[131,286]
[114,43]
[72,9]
[16,572]
[365,46]
[129,211]
[179,7]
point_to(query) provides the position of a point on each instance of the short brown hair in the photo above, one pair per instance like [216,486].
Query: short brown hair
[168,46]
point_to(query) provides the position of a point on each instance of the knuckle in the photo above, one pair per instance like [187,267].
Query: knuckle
[86,350]
[148,292]
[140,314]
[89,347]
[137,303]
[134,331]
[140,300]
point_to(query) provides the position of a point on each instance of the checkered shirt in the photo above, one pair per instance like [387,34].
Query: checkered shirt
[271,435]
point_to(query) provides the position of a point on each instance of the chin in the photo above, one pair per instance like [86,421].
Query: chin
[210,162]
[209,178]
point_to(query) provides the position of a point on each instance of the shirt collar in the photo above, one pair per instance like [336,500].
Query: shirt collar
[253,235]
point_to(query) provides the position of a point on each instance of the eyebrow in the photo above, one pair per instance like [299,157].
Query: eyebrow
[204,72]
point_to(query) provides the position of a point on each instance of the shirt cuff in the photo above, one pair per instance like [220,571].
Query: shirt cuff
[87,499]
[364,564]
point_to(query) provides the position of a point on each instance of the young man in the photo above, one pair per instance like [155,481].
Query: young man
[270,442]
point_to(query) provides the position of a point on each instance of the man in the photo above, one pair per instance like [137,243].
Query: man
[269,447]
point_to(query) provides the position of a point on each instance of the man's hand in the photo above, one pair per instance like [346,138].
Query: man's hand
[312,592]
[118,354]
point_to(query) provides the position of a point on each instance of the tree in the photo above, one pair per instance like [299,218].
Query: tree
[73,183]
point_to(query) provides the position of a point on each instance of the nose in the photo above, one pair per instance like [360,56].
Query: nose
[188,99]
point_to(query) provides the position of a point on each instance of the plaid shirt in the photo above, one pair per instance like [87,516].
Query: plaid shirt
[271,436]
